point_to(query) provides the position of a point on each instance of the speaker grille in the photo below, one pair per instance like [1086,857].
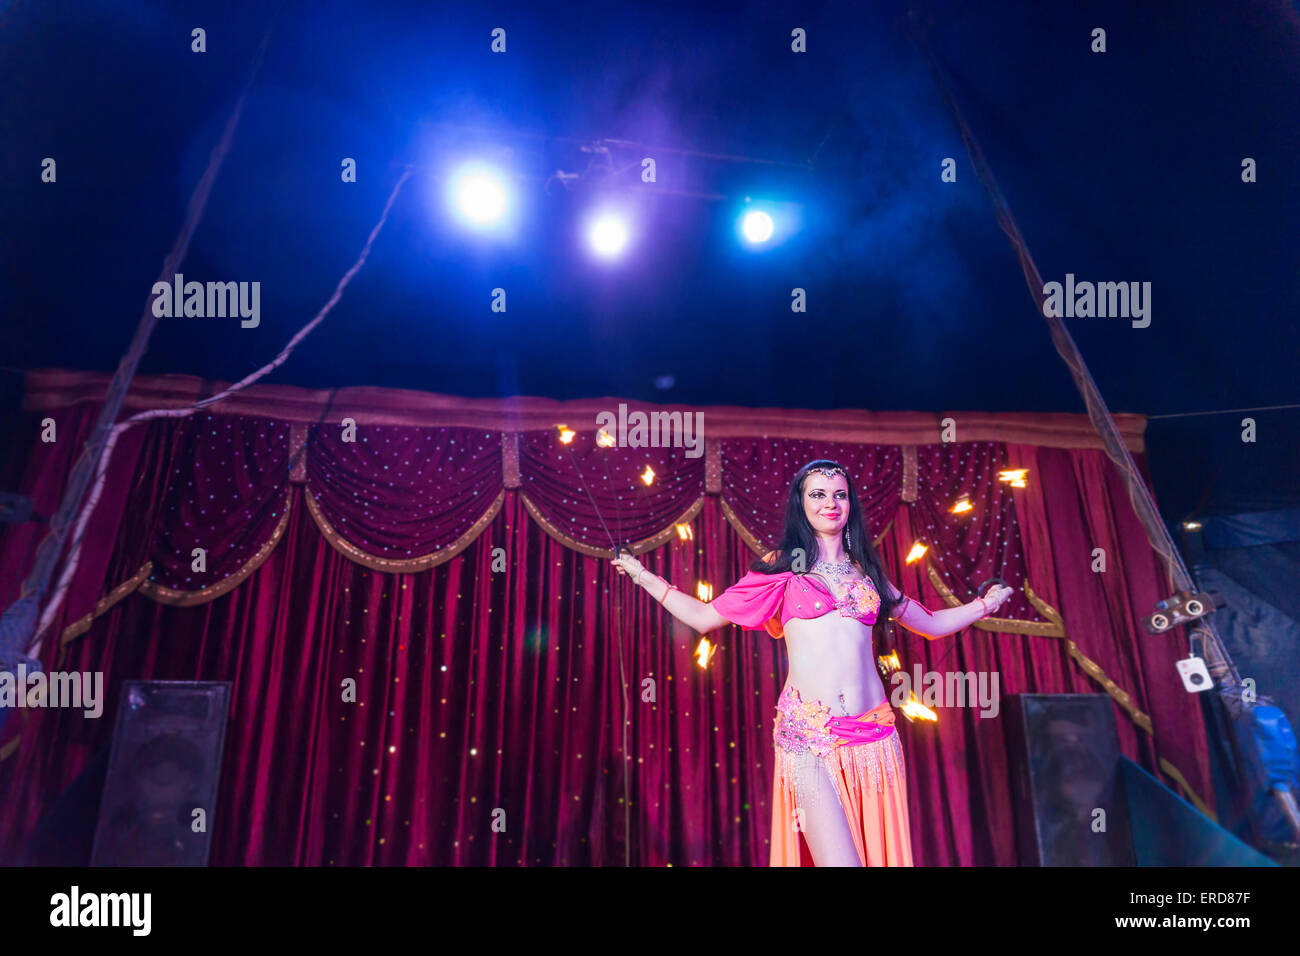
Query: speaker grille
[164,765]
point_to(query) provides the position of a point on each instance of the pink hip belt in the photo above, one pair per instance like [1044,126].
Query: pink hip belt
[807,726]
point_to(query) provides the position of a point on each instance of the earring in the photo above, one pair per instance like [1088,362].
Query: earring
[848,540]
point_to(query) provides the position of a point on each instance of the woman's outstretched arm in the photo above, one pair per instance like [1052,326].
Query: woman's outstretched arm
[691,611]
[934,624]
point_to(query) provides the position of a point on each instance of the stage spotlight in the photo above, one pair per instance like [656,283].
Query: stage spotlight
[762,224]
[757,226]
[607,235]
[479,195]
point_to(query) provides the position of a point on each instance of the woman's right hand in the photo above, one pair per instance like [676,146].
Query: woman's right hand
[629,565]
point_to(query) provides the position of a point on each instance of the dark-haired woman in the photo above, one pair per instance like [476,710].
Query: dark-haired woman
[840,793]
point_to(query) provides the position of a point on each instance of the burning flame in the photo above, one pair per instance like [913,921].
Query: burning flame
[1015,477]
[704,591]
[648,476]
[962,506]
[888,663]
[918,550]
[604,439]
[913,709]
[566,434]
[704,652]
[685,532]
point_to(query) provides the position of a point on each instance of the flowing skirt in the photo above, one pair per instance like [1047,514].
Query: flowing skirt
[841,782]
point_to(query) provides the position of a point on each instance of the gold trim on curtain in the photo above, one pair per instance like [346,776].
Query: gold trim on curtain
[165,595]
[1049,628]
[401,565]
[1178,778]
[105,604]
[637,547]
[1091,667]
[750,539]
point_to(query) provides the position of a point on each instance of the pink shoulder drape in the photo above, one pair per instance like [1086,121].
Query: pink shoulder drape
[754,602]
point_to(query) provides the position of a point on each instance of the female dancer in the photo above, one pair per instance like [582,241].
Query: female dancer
[834,731]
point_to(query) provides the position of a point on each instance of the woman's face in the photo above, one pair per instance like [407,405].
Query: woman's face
[826,502]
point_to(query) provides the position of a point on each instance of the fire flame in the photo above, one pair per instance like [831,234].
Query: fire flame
[888,663]
[704,652]
[1015,477]
[918,550]
[913,709]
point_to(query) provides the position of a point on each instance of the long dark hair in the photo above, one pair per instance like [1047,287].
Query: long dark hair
[799,538]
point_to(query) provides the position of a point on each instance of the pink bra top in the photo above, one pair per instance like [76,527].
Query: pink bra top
[767,601]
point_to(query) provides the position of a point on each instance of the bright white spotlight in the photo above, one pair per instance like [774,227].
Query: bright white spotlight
[757,226]
[479,195]
[608,236]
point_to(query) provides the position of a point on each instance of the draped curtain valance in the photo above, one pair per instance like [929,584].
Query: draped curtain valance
[394,490]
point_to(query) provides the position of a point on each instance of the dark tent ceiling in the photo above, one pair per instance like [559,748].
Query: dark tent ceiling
[1119,166]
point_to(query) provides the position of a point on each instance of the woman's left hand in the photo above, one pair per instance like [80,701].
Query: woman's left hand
[995,597]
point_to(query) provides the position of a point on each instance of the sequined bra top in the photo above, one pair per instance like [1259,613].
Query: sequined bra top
[767,601]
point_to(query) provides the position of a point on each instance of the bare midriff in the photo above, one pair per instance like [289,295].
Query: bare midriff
[831,661]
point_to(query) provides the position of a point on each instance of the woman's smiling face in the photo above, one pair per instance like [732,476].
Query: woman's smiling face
[826,502]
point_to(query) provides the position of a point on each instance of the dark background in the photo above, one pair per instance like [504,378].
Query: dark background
[1123,166]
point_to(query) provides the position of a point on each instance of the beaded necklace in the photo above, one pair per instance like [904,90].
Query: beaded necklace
[837,571]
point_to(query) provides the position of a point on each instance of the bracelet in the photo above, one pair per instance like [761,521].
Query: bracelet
[987,612]
[637,580]
[671,587]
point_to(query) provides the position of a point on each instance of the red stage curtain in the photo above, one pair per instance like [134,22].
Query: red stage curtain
[488,681]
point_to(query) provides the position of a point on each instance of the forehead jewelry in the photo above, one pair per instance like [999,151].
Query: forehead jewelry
[828,472]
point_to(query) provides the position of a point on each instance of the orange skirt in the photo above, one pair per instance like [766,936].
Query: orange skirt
[869,779]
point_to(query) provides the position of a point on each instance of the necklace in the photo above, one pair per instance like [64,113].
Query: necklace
[837,569]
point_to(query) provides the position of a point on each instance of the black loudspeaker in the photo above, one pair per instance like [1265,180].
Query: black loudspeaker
[163,766]
[1069,803]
